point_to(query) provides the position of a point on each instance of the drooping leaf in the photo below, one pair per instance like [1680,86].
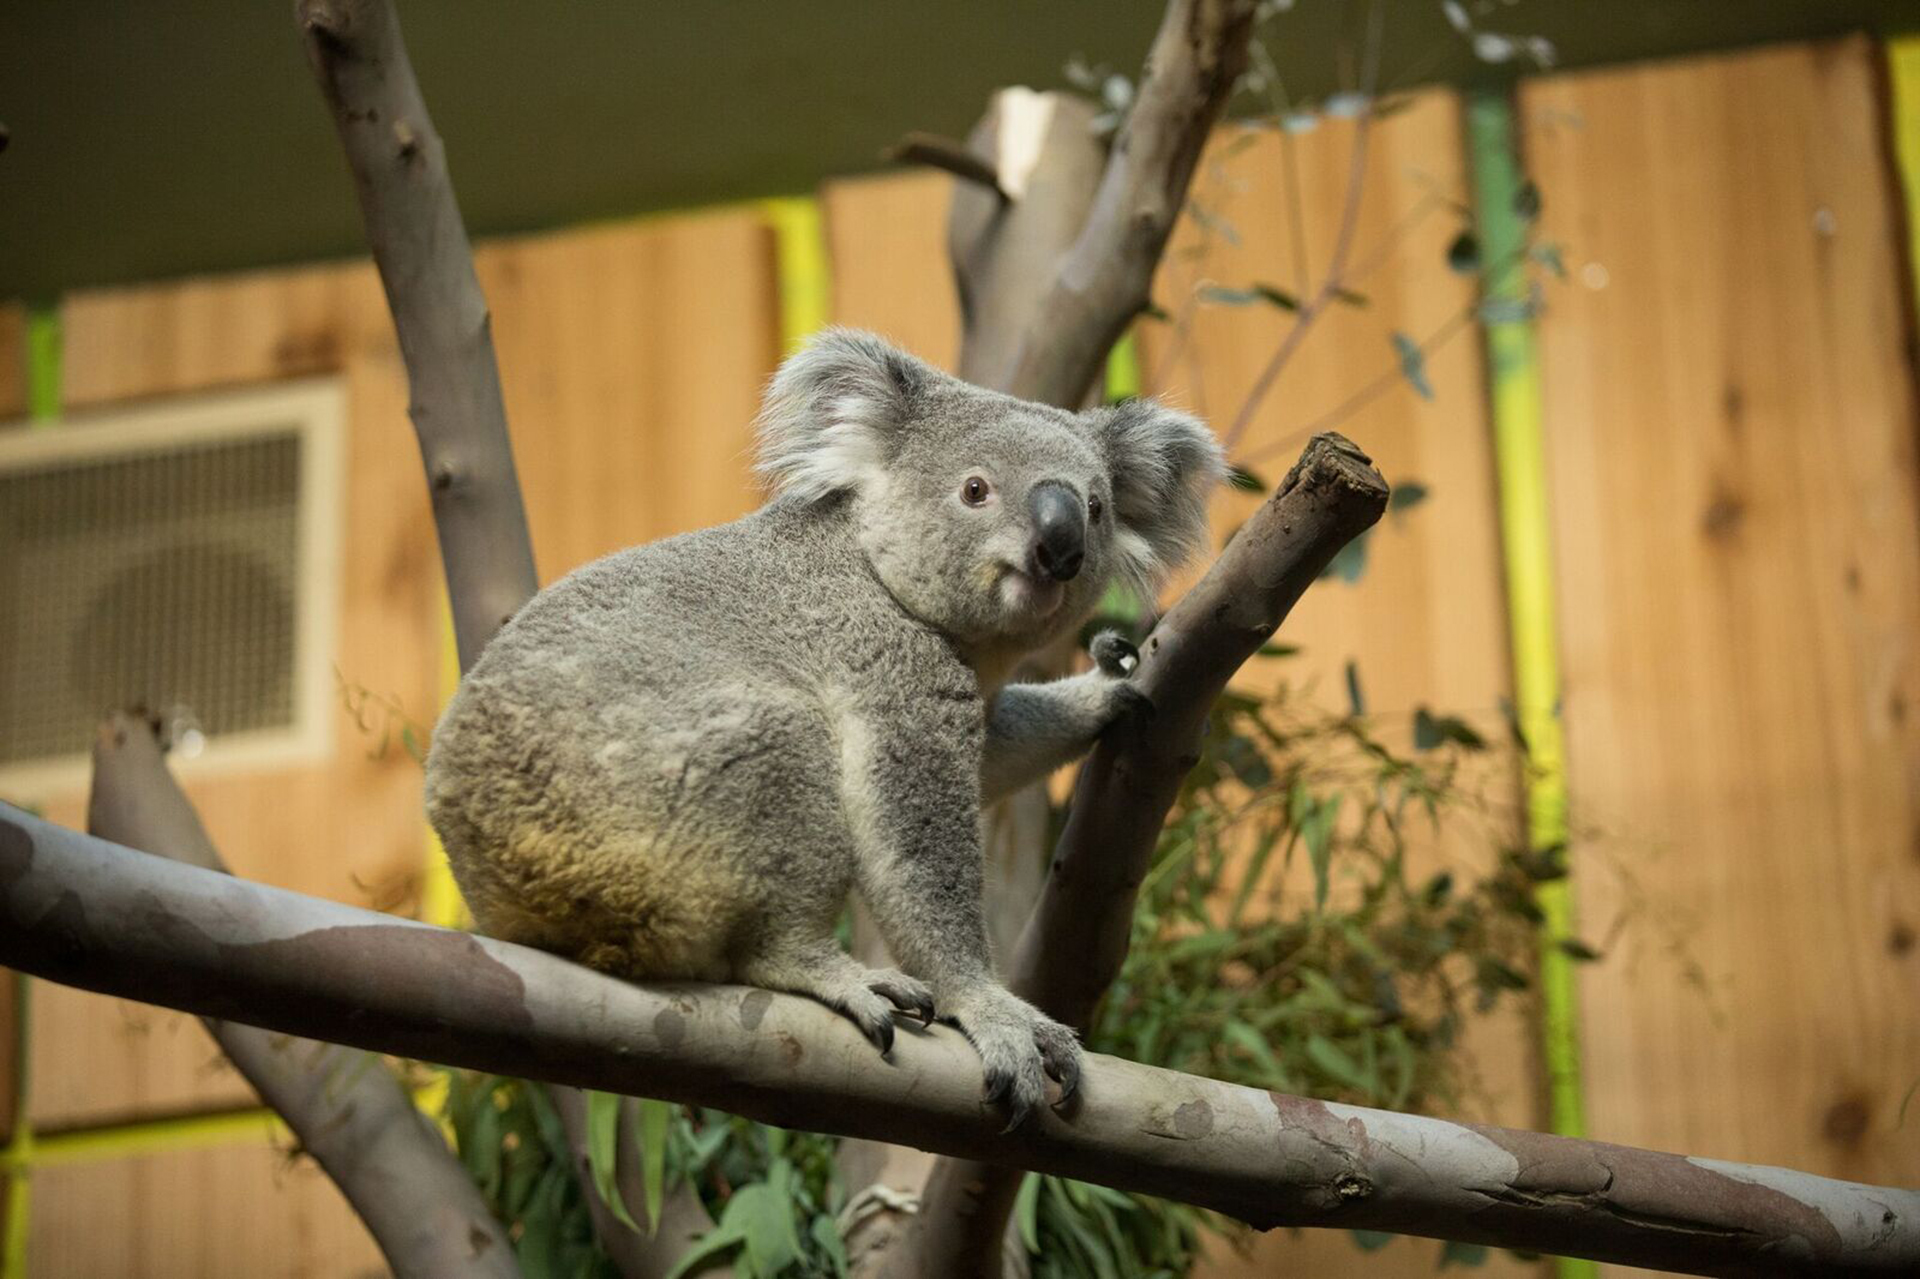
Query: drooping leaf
[1406,495]
[603,1153]
[1246,481]
[1370,1240]
[826,1237]
[1277,650]
[1350,296]
[1221,295]
[1526,200]
[1026,1211]
[1431,731]
[1463,254]
[1356,698]
[1455,1253]
[1413,365]
[1548,256]
[656,1117]
[1334,1062]
[1577,950]
[1350,561]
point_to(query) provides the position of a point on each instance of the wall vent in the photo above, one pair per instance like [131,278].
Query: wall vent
[183,557]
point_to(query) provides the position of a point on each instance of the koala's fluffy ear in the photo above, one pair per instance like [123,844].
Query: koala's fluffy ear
[1165,464]
[832,411]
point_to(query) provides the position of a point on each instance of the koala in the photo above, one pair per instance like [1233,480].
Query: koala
[677,761]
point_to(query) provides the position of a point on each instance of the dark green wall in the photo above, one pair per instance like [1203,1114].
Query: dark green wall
[159,137]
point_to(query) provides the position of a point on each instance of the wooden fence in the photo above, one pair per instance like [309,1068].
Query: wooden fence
[1729,421]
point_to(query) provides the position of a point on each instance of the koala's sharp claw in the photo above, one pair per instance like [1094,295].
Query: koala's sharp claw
[999,1086]
[1114,654]
[881,1033]
[924,1006]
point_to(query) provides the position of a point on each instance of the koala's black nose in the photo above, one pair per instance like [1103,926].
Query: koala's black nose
[1059,530]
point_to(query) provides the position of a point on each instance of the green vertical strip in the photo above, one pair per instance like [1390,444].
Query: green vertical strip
[1526,537]
[800,265]
[1903,76]
[43,363]
[1123,369]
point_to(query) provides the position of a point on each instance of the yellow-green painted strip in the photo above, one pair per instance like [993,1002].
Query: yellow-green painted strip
[440,900]
[152,1137]
[1123,369]
[1526,537]
[803,275]
[15,1159]
[1903,66]
[43,363]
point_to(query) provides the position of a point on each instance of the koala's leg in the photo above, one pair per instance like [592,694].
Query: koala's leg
[914,792]
[818,968]
[1034,729]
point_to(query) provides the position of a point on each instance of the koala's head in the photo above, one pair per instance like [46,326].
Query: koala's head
[998,521]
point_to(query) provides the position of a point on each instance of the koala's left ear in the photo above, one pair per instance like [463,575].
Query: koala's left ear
[1165,464]
[833,411]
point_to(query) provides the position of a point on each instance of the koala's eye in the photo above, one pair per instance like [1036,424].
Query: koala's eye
[1093,506]
[975,491]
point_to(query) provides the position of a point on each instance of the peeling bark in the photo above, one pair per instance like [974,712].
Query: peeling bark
[80,911]
[348,1111]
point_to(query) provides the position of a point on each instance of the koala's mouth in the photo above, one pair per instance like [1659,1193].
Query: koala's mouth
[1027,596]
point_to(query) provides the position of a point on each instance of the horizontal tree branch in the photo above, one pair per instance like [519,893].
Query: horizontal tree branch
[80,911]
[347,1109]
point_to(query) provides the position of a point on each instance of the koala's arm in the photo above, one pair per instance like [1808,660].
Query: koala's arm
[1033,729]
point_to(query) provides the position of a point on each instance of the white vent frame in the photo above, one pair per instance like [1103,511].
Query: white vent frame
[315,409]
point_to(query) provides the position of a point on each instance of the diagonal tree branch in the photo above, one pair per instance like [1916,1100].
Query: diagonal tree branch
[1107,278]
[347,1110]
[426,265]
[87,913]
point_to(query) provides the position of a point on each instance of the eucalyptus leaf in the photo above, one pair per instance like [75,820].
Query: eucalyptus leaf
[1413,365]
[603,1153]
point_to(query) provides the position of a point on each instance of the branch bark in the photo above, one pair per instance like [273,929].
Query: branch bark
[1107,279]
[347,1110]
[78,910]
[426,266]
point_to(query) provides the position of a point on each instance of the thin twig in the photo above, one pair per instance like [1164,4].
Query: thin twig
[947,155]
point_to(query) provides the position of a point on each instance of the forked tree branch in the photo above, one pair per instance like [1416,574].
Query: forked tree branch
[86,913]
[1107,278]
[348,1110]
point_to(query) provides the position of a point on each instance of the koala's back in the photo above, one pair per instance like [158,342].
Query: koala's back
[611,779]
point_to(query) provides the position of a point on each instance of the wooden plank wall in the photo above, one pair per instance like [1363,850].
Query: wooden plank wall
[632,356]
[1731,438]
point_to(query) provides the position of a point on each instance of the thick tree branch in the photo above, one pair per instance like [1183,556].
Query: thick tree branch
[78,910]
[348,1111]
[1107,278]
[420,245]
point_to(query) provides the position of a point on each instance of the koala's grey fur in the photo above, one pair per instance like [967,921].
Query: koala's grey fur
[676,761]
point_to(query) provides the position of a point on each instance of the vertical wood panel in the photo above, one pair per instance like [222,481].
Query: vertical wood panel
[1731,435]
[241,1211]
[13,360]
[887,239]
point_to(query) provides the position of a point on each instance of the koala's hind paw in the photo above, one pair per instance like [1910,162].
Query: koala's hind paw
[1018,1049]
[1114,654]
[905,993]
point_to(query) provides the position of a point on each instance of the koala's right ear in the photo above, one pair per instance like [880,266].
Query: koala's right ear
[833,410]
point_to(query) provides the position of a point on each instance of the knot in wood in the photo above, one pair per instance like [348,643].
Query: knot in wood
[1351,1187]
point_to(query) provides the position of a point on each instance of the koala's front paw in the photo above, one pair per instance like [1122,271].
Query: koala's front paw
[1018,1048]
[1114,654]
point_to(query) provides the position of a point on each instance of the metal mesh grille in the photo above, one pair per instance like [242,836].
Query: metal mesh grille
[158,579]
